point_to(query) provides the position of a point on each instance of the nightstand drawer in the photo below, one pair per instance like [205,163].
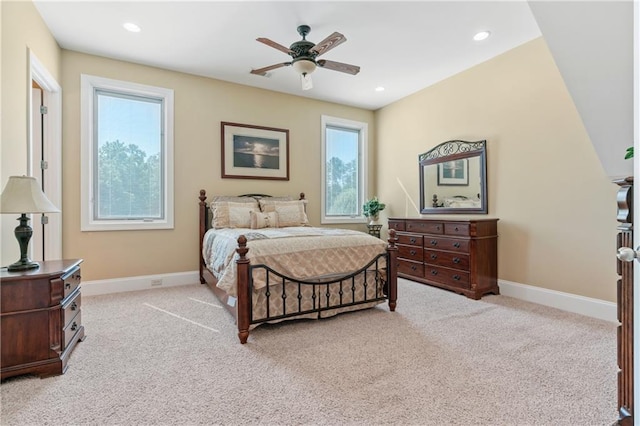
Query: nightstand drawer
[71,281]
[447,259]
[450,244]
[70,308]
[398,225]
[410,267]
[71,329]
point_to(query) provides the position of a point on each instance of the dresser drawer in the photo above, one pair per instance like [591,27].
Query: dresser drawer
[451,244]
[398,225]
[446,276]
[448,259]
[410,252]
[71,329]
[71,281]
[456,229]
[425,227]
[410,239]
[70,308]
[410,267]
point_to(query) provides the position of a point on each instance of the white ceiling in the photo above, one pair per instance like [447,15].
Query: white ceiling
[402,46]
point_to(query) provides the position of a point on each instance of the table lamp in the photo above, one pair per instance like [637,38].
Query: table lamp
[23,195]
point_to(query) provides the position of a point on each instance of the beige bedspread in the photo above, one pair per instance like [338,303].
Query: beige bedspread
[297,252]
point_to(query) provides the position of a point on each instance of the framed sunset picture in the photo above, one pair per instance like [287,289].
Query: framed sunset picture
[254,152]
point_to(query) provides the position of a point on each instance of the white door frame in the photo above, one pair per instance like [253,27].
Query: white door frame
[52,132]
[636,211]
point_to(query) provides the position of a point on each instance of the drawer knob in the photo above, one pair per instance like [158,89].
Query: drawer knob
[413,252]
[413,240]
[456,260]
[456,277]
[434,242]
[74,326]
[67,285]
[413,267]
[437,227]
[456,245]
[456,228]
[434,272]
[74,306]
[434,256]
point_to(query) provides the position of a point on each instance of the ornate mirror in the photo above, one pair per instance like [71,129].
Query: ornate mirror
[453,178]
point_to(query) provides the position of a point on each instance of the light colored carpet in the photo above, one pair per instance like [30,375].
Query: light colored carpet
[440,359]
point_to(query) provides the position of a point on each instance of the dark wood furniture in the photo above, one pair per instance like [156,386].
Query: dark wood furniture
[625,304]
[454,254]
[40,320]
[240,306]
[374,230]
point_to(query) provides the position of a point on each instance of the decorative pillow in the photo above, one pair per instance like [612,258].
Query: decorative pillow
[290,213]
[261,220]
[227,214]
[233,199]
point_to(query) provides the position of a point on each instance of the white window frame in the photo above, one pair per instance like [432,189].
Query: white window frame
[362,128]
[89,84]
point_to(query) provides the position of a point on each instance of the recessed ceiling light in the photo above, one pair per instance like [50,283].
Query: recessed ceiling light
[482,35]
[130,26]
[379,89]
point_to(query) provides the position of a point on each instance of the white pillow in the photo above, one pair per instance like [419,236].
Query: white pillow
[261,220]
[290,213]
[227,214]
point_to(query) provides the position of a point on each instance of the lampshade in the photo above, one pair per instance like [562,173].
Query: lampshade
[304,66]
[23,195]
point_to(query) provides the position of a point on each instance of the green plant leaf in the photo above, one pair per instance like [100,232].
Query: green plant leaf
[629,153]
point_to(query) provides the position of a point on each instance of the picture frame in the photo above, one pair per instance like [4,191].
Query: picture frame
[254,152]
[454,173]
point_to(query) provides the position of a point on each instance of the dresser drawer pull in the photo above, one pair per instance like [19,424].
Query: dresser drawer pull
[413,252]
[74,326]
[456,228]
[437,227]
[413,240]
[456,277]
[74,306]
[456,260]
[414,268]
[456,245]
[434,256]
[434,272]
[67,285]
[434,242]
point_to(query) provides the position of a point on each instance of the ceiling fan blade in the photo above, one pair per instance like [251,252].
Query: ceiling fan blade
[339,66]
[274,45]
[328,43]
[263,71]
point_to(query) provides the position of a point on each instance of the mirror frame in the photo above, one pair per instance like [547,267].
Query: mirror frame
[455,150]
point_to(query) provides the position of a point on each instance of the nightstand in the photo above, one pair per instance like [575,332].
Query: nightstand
[40,318]
[374,230]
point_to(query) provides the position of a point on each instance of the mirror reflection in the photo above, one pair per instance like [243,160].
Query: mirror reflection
[453,178]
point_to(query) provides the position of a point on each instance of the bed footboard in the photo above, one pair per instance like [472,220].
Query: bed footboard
[376,281]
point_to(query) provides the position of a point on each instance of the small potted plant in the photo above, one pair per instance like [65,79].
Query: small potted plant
[371,209]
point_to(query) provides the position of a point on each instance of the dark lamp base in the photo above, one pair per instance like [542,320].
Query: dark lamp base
[22,266]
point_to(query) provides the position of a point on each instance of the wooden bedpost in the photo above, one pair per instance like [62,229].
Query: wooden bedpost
[392,251]
[203,229]
[242,290]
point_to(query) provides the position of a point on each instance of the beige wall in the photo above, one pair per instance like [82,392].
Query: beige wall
[556,206]
[22,31]
[200,105]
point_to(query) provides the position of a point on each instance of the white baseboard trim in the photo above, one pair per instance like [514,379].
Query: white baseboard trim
[143,282]
[590,307]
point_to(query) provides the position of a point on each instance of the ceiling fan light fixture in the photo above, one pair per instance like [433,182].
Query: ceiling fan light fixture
[304,66]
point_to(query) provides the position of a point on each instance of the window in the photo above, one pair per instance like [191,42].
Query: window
[127,155]
[344,170]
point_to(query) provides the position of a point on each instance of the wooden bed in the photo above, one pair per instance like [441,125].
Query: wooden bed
[298,297]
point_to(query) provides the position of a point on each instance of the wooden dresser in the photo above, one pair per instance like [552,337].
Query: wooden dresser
[40,318]
[454,254]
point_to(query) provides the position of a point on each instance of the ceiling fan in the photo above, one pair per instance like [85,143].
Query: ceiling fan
[304,54]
